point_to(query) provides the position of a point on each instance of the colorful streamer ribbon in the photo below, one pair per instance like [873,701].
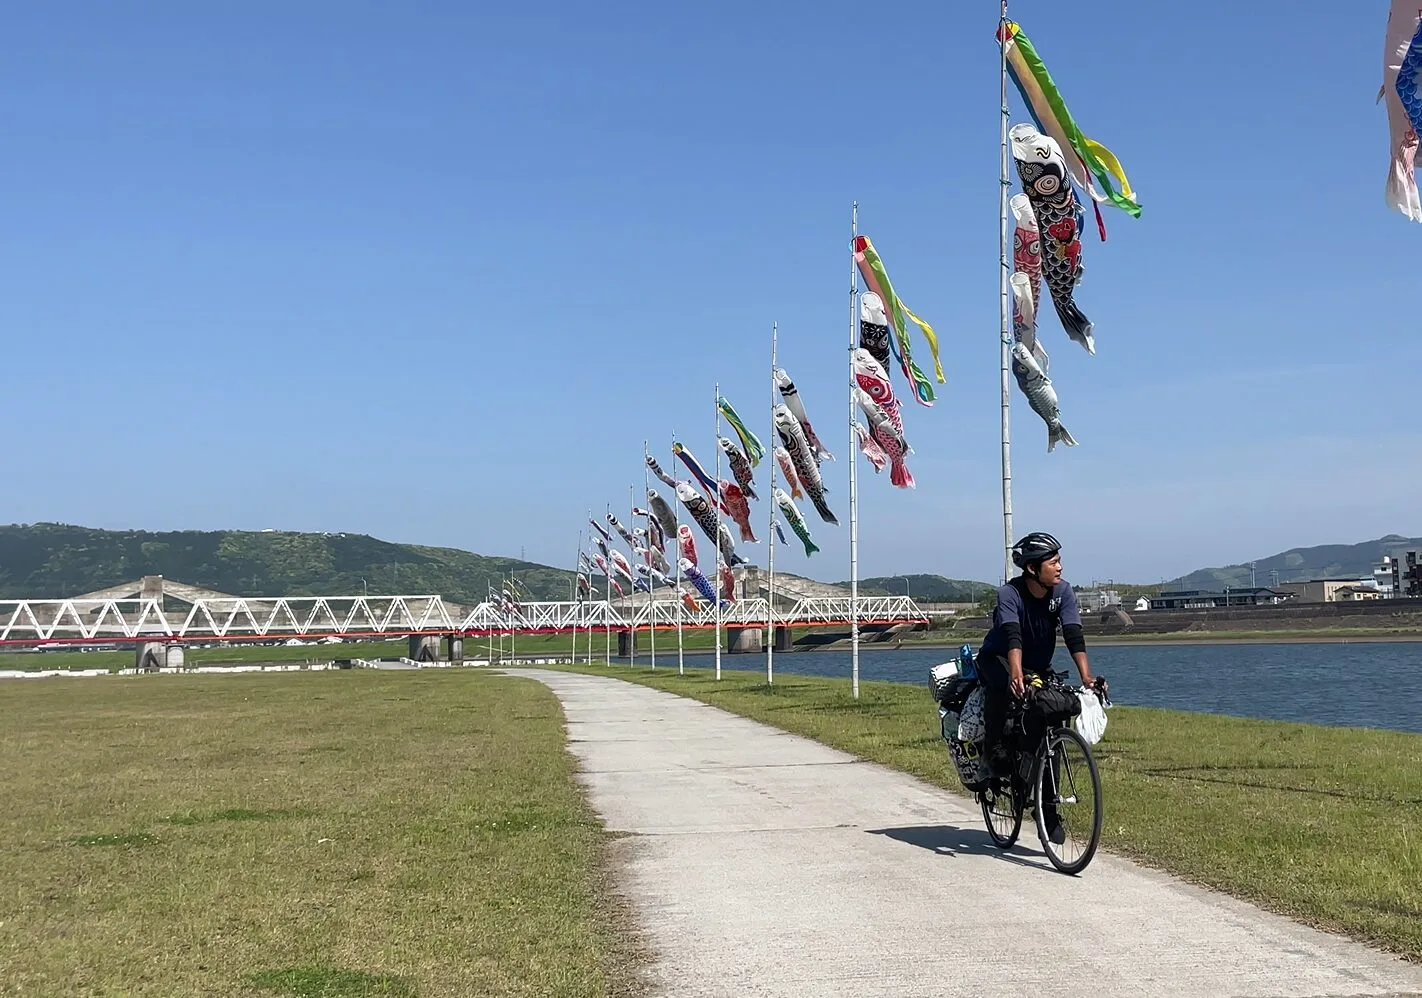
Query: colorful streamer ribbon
[871,268]
[694,466]
[750,443]
[1049,111]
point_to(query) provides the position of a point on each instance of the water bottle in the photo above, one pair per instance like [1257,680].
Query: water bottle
[966,666]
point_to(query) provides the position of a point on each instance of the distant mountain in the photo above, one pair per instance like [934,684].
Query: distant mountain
[927,588]
[1324,561]
[50,560]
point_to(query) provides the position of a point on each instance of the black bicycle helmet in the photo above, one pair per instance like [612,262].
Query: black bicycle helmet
[1036,546]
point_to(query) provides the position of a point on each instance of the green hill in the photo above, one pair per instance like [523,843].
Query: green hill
[1297,564]
[48,560]
[926,588]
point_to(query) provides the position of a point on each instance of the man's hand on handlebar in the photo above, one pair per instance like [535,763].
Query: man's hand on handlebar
[1100,687]
[1015,681]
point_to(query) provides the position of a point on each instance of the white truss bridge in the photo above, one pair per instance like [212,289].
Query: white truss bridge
[96,620]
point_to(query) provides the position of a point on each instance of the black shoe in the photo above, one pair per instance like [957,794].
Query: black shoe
[1056,831]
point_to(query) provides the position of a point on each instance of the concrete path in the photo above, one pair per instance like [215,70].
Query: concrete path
[765,864]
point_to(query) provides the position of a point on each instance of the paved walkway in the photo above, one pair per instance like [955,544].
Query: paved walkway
[765,864]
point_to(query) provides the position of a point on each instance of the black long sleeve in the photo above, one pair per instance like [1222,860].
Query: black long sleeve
[1012,631]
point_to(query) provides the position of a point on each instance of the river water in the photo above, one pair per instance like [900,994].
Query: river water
[1373,685]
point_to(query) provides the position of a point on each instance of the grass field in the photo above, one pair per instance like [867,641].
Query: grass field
[1318,823]
[123,658]
[474,648]
[314,835]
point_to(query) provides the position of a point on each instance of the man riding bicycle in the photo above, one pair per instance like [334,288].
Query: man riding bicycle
[1024,637]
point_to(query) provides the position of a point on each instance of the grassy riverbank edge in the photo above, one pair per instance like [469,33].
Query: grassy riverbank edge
[694,643]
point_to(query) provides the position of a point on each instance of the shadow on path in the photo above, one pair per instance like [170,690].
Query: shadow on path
[950,840]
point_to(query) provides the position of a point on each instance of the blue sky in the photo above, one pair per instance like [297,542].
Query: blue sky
[434,274]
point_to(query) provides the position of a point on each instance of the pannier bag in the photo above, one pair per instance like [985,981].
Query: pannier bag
[1048,705]
[971,727]
[967,756]
[958,697]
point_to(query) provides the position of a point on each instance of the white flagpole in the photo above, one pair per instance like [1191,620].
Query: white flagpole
[716,583]
[1004,314]
[632,609]
[676,549]
[577,595]
[651,588]
[770,501]
[853,465]
[607,620]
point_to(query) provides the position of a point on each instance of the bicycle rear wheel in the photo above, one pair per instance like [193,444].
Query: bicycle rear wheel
[1069,789]
[1002,813]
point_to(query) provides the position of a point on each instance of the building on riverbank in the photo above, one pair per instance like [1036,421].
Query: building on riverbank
[1096,600]
[1199,599]
[1407,574]
[1331,590]
[1382,577]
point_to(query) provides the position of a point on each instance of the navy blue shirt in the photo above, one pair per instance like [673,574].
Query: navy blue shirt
[1037,618]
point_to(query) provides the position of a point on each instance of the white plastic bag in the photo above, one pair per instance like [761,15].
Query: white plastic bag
[970,722]
[1090,724]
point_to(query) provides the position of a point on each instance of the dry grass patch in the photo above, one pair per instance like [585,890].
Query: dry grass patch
[333,834]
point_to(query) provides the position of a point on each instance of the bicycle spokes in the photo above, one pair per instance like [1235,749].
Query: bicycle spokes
[1068,802]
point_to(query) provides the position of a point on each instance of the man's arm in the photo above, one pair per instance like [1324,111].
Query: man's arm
[1073,635]
[1009,617]
[1015,681]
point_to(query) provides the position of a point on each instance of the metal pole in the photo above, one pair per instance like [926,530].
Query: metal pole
[489,590]
[632,634]
[651,589]
[676,550]
[607,619]
[853,465]
[577,597]
[716,502]
[1004,312]
[513,653]
[770,501]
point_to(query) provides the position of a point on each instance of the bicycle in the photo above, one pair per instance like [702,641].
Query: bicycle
[1031,781]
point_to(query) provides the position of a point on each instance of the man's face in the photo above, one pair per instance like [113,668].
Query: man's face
[1049,573]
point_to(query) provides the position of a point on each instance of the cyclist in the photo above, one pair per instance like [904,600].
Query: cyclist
[1023,639]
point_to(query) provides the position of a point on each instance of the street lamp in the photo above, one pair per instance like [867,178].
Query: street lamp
[906,583]
[364,589]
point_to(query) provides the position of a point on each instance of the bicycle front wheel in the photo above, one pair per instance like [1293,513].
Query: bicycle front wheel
[1068,800]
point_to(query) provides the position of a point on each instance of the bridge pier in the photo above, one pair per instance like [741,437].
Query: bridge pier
[626,644]
[783,638]
[750,581]
[744,640]
[154,655]
[456,649]
[424,648]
